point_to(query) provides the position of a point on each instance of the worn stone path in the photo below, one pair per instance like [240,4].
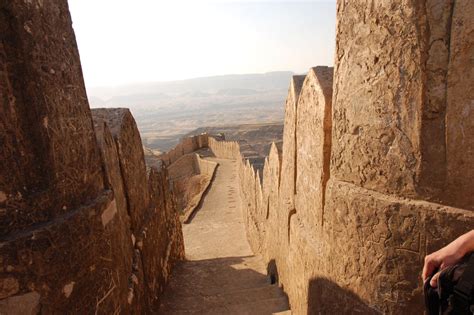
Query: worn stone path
[221,274]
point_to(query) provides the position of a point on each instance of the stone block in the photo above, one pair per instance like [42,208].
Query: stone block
[288,163]
[72,262]
[313,140]
[388,117]
[50,160]
[132,160]
[460,108]
[376,244]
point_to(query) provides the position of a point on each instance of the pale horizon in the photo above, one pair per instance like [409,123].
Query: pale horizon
[130,43]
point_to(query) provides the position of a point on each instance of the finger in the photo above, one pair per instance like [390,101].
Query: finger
[428,269]
[434,280]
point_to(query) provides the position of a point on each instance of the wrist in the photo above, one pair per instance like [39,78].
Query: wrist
[466,243]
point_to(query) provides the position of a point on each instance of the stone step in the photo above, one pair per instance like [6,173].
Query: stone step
[203,301]
[212,277]
[262,307]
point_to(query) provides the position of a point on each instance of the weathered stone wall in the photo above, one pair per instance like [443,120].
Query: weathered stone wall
[288,169]
[45,118]
[225,149]
[117,217]
[52,193]
[389,144]
[190,177]
[185,146]
[84,229]
[460,108]
[185,166]
[205,167]
[160,241]
[189,165]
[250,196]
[154,227]
[131,158]
[376,173]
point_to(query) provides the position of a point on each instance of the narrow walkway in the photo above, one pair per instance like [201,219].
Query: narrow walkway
[221,274]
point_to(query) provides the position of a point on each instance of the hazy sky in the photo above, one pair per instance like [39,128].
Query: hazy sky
[133,41]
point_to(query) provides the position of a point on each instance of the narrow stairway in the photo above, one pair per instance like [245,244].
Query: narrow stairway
[221,274]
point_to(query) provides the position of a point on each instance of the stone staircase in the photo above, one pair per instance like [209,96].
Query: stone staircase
[232,285]
[221,274]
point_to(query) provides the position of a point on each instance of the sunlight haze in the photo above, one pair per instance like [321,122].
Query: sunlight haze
[126,42]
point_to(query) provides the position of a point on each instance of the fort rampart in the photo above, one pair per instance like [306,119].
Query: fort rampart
[84,227]
[185,146]
[376,166]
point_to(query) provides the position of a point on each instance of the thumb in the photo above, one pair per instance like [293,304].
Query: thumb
[434,280]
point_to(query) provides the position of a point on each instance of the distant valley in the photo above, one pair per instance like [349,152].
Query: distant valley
[167,111]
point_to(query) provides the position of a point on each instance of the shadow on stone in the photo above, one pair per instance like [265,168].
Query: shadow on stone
[204,195]
[222,286]
[272,272]
[327,297]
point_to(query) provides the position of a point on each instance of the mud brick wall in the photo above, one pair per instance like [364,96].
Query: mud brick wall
[76,236]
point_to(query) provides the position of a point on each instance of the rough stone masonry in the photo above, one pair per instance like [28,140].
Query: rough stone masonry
[84,228]
[377,168]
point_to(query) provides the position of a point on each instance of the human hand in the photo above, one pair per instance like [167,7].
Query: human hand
[447,256]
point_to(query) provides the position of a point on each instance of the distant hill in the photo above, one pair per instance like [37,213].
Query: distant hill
[255,82]
[166,111]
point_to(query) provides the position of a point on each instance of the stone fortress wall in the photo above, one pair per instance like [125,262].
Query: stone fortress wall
[205,167]
[185,146]
[224,149]
[189,165]
[84,227]
[376,169]
[189,177]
